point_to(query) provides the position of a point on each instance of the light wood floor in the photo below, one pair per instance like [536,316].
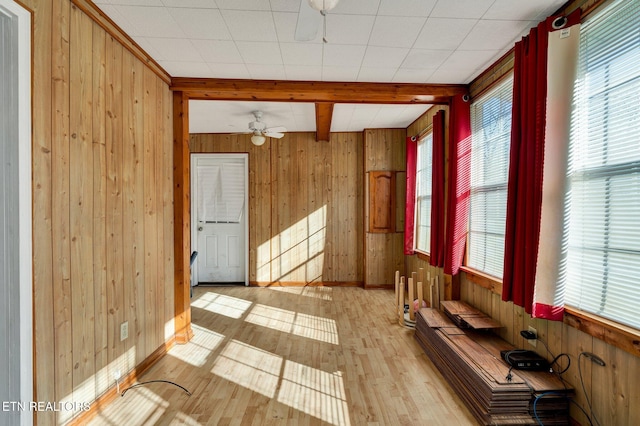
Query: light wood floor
[292,356]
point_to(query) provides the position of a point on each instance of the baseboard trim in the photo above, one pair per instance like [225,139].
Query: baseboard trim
[305,284]
[111,394]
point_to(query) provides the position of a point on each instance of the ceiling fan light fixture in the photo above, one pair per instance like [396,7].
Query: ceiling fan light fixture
[258,140]
[323,5]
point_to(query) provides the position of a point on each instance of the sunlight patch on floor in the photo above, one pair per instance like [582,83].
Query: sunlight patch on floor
[228,306]
[249,367]
[141,407]
[315,292]
[315,392]
[199,348]
[304,325]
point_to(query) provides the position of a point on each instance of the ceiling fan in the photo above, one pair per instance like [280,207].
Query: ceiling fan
[309,19]
[260,131]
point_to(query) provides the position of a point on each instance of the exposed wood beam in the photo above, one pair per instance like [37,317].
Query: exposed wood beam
[324,114]
[316,91]
[182,219]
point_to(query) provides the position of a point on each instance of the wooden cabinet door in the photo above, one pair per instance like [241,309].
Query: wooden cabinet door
[382,201]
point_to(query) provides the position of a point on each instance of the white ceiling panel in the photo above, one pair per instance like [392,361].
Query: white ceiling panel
[461,8]
[406,7]
[246,25]
[396,31]
[201,23]
[405,41]
[444,33]
[151,21]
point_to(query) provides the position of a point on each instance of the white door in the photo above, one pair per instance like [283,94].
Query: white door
[219,185]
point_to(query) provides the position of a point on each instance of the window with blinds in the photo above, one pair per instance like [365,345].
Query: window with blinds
[490,136]
[424,166]
[603,202]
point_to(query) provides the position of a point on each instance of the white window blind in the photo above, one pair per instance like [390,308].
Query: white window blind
[491,133]
[424,167]
[603,203]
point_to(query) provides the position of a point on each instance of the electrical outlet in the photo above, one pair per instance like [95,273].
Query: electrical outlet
[533,342]
[124,330]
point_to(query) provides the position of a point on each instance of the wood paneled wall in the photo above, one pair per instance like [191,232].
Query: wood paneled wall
[102,207]
[385,151]
[306,216]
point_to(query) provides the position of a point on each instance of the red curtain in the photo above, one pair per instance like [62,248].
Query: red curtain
[410,203]
[437,192]
[459,183]
[524,191]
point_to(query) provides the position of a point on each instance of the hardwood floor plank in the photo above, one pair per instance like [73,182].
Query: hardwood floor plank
[293,356]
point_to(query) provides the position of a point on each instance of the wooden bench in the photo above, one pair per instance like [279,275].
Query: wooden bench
[470,361]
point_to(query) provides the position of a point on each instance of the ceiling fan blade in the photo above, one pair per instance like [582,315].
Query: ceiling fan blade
[275,135]
[277,129]
[309,21]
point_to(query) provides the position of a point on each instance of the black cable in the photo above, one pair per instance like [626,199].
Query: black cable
[155,381]
[593,416]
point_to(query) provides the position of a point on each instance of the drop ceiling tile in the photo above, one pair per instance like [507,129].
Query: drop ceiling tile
[461,8]
[187,69]
[395,31]
[491,35]
[201,23]
[406,7]
[147,47]
[266,71]
[285,5]
[151,22]
[174,49]
[120,19]
[243,4]
[447,75]
[425,58]
[348,29]
[444,33]
[260,53]
[221,51]
[303,72]
[356,7]
[340,73]
[250,25]
[342,55]
[375,74]
[229,70]
[198,4]
[412,75]
[469,59]
[137,2]
[301,54]
[384,57]
[524,10]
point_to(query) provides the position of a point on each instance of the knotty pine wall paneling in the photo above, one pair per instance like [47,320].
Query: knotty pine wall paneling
[305,206]
[385,151]
[102,203]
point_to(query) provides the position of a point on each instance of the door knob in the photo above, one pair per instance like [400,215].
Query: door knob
[199,228]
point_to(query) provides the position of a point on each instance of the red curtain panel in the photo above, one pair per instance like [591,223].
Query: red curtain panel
[437,193]
[410,206]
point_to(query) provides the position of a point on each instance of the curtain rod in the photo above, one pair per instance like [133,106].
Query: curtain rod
[423,132]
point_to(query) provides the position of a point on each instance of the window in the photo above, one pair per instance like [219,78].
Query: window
[491,133]
[424,165]
[603,203]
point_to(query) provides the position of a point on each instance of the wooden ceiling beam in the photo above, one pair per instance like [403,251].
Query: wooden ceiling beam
[324,114]
[316,91]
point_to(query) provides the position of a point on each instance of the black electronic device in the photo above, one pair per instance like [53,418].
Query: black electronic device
[520,359]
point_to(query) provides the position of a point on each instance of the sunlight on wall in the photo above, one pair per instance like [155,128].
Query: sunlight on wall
[315,392]
[310,326]
[231,307]
[200,347]
[249,367]
[315,292]
[97,384]
[296,253]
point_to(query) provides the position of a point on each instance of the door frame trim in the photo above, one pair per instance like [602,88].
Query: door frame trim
[194,202]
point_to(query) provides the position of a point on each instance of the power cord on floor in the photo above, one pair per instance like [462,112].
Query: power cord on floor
[155,381]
